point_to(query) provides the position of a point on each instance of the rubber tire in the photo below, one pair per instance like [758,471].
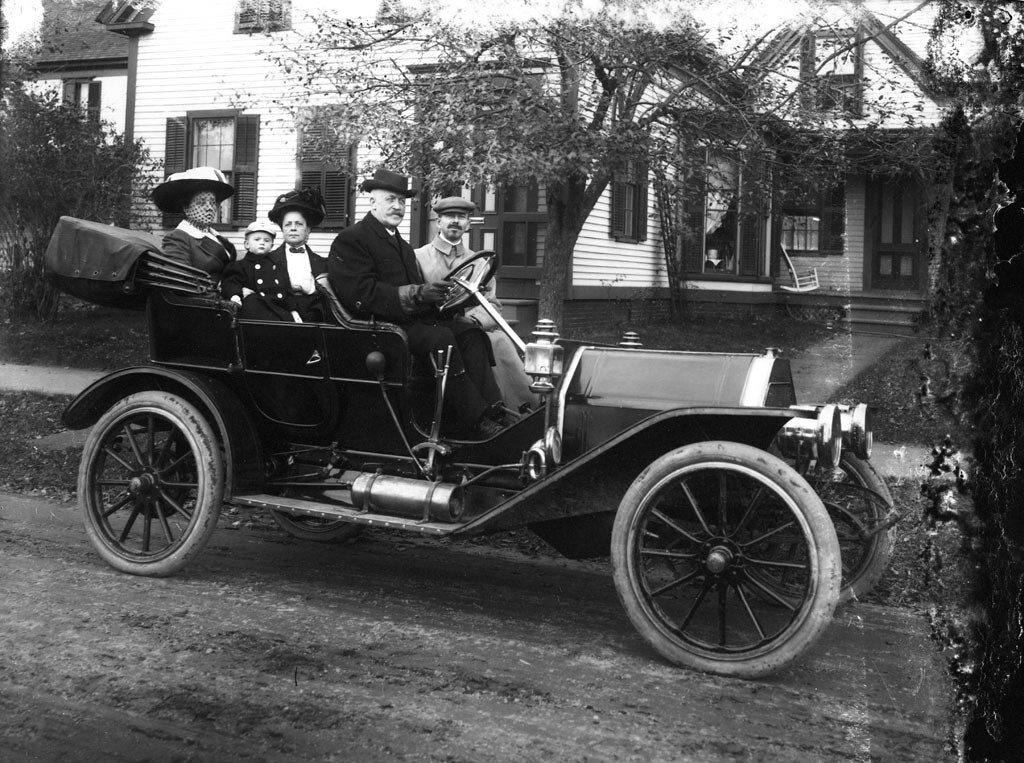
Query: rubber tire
[198,436]
[304,528]
[815,612]
[876,559]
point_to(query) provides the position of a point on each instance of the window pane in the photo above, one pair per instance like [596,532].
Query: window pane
[213,145]
[519,244]
[801,232]
[721,217]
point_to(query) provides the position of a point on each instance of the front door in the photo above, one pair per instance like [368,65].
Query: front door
[894,234]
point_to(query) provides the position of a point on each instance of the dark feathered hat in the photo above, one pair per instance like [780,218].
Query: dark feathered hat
[308,201]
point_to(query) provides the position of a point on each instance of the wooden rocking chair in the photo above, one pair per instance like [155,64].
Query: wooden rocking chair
[806,280]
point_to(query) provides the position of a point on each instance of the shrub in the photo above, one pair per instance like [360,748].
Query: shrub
[54,161]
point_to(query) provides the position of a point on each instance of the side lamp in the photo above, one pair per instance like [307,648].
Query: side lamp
[543,361]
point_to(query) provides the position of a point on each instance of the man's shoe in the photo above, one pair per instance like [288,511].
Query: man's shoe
[485,429]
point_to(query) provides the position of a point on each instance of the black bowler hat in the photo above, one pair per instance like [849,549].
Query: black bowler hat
[308,201]
[391,181]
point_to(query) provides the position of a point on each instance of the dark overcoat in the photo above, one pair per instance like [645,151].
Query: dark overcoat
[267,275]
[367,265]
[211,255]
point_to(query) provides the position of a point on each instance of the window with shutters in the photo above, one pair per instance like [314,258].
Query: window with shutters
[814,224]
[629,203]
[263,16]
[327,162]
[227,140]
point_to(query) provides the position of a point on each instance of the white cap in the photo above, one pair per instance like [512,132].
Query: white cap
[264,225]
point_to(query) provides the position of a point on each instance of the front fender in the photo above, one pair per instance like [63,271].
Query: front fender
[242,453]
[595,481]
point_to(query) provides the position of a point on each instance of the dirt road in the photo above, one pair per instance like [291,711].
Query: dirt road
[273,649]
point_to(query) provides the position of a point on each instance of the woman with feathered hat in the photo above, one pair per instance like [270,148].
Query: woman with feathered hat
[196,193]
[281,284]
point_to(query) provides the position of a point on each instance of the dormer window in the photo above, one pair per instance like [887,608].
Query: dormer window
[254,16]
[832,70]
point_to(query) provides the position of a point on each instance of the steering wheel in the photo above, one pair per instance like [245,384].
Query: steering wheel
[476,271]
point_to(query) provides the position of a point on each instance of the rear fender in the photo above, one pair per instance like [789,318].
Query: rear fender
[215,399]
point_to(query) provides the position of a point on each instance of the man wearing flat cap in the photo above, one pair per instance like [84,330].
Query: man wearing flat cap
[440,257]
[373,271]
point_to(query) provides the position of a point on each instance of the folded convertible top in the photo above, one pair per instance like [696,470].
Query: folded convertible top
[115,266]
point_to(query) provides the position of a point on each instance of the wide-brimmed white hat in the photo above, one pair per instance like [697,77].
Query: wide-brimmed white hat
[174,193]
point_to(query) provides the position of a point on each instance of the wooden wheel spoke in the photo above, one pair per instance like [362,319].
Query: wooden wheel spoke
[667,553]
[675,583]
[750,612]
[695,505]
[126,530]
[164,524]
[107,450]
[695,606]
[723,627]
[676,526]
[749,511]
[769,534]
[124,500]
[723,502]
[174,504]
[778,564]
[175,464]
[755,583]
[147,531]
[135,445]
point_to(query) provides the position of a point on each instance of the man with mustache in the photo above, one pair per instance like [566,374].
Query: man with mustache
[373,271]
[439,258]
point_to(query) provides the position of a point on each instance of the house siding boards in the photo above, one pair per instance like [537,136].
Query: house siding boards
[187,66]
[184,67]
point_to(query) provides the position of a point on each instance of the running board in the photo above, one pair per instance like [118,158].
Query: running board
[349,514]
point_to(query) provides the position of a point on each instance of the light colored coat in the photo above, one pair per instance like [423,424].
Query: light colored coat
[439,258]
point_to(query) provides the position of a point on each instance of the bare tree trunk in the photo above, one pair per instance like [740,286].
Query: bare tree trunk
[568,208]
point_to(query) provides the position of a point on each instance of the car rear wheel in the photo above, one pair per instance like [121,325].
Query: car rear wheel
[315,528]
[151,482]
[725,559]
[858,502]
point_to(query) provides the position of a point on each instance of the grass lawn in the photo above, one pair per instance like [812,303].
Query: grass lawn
[927,566]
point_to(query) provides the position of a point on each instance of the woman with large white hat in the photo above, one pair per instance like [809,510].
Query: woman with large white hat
[196,193]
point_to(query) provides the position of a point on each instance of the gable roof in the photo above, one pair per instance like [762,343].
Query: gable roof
[71,38]
[789,39]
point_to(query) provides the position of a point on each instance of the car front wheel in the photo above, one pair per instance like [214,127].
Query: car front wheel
[725,559]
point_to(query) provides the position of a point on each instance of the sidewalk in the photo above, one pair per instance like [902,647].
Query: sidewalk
[50,380]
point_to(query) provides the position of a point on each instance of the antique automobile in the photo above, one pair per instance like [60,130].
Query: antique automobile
[735,518]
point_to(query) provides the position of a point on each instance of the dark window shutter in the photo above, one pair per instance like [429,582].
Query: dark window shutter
[247,147]
[332,178]
[693,230]
[175,149]
[641,202]
[833,220]
[618,211]
[752,221]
